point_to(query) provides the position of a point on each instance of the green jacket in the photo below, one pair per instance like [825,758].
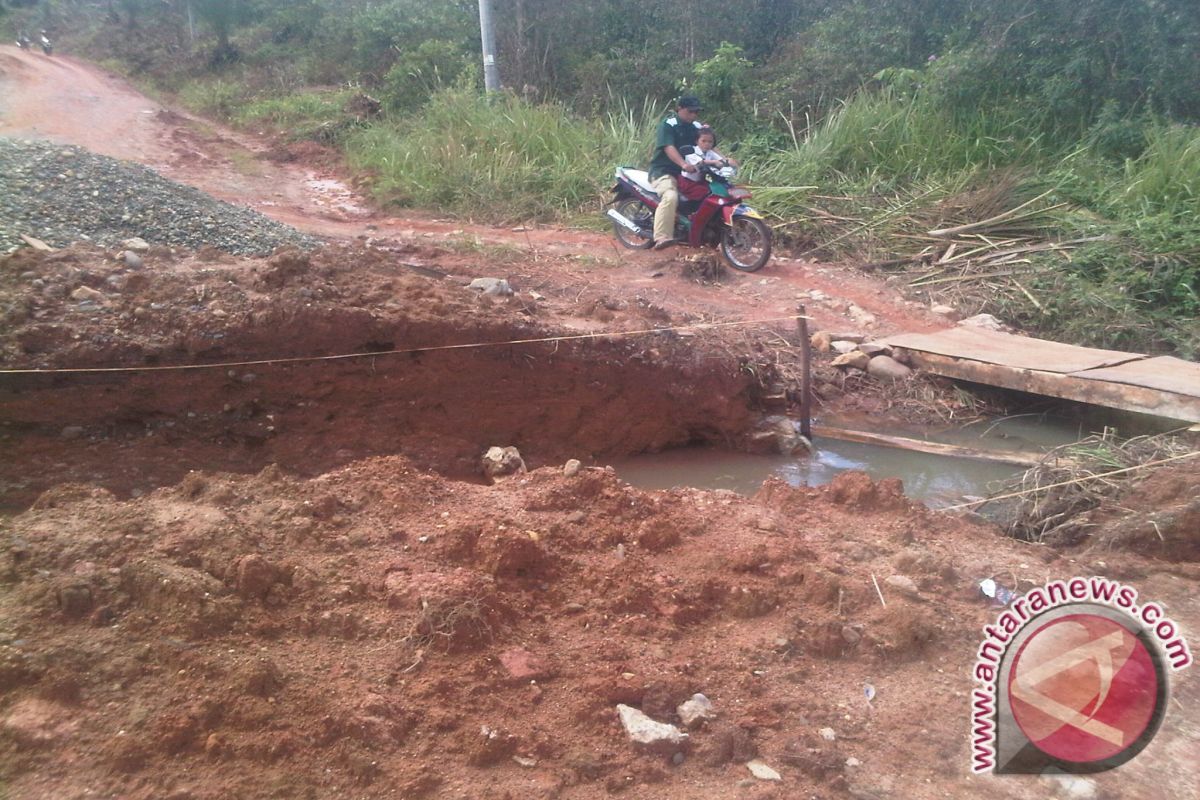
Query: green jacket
[676,132]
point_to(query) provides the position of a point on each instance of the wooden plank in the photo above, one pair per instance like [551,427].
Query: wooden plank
[1008,350]
[1068,387]
[1165,373]
[1018,459]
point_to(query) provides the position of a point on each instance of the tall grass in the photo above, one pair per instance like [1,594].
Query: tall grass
[881,140]
[497,157]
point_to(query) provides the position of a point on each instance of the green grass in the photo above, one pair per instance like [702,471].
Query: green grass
[497,157]
[316,115]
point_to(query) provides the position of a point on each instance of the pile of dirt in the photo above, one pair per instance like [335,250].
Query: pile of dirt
[381,632]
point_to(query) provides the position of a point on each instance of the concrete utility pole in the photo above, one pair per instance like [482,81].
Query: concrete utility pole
[491,72]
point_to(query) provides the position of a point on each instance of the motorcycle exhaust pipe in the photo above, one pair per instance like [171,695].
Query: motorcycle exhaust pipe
[626,222]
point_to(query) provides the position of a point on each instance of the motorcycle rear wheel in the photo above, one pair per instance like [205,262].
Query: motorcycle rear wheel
[746,244]
[639,214]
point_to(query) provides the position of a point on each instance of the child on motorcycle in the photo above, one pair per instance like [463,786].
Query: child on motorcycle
[694,185]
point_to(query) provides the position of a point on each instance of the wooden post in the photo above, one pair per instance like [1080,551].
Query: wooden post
[806,372]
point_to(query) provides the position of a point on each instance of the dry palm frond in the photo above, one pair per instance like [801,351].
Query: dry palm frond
[1074,478]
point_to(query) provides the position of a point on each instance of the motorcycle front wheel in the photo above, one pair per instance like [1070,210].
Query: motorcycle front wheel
[746,244]
[640,214]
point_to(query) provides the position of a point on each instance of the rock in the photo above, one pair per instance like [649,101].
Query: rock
[875,349]
[776,434]
[136,244]
[502,462]
[214,745]
[694,712]
[255,576]
[132,259]
[523,666]
[903,584]
[943,310]
[856,359]
[821,341]
[763,772]
[985,321]
[494,286]
[87,293]
[827,734]
[571,468]
[847,336]
[37,244]
[843,346]
[887,367]
[71,432]
[647,733]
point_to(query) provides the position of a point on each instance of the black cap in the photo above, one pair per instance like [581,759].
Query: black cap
[690,102]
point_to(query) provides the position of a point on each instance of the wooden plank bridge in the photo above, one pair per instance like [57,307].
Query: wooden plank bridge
[1162,386]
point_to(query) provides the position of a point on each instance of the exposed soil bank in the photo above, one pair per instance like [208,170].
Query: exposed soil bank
[584,398]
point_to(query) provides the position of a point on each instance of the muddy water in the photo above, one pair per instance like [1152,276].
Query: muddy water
[936,480]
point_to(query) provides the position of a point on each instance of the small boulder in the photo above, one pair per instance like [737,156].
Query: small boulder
[778,434]
[132,259]
[821,341]
[844,346]
[888,367]
[855,359]
[571,468]
[763,772]
[646,732]
[497,287]
[875,349]
[87,293]
[943,310]
[136,244]
[696,711]
[502,462]
[985,321]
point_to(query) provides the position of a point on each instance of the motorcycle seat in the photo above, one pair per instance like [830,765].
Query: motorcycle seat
[638,176]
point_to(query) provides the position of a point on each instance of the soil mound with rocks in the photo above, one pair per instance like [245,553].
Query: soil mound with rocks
[62,194]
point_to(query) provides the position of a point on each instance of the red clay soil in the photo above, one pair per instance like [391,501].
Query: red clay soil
[247,581]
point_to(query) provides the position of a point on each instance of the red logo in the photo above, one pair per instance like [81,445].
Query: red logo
[1083,688]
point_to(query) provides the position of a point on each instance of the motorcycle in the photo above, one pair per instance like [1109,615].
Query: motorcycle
[721,220]
[23,42]
[47,47]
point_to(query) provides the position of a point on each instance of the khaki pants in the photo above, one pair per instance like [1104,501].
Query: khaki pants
[668,201]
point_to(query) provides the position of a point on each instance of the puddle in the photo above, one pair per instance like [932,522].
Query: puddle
[936,480]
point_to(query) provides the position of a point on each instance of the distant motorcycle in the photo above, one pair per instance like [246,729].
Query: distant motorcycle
[23,42]
[721,220]
[47,46]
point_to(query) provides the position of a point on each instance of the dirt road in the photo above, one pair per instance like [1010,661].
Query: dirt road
[66,100]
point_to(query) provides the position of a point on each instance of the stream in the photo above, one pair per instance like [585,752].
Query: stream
[936,480]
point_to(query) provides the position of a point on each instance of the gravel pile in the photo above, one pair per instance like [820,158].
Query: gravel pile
[62,194]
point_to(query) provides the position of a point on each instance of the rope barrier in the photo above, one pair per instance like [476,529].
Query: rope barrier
[375,354]
[1073,481]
